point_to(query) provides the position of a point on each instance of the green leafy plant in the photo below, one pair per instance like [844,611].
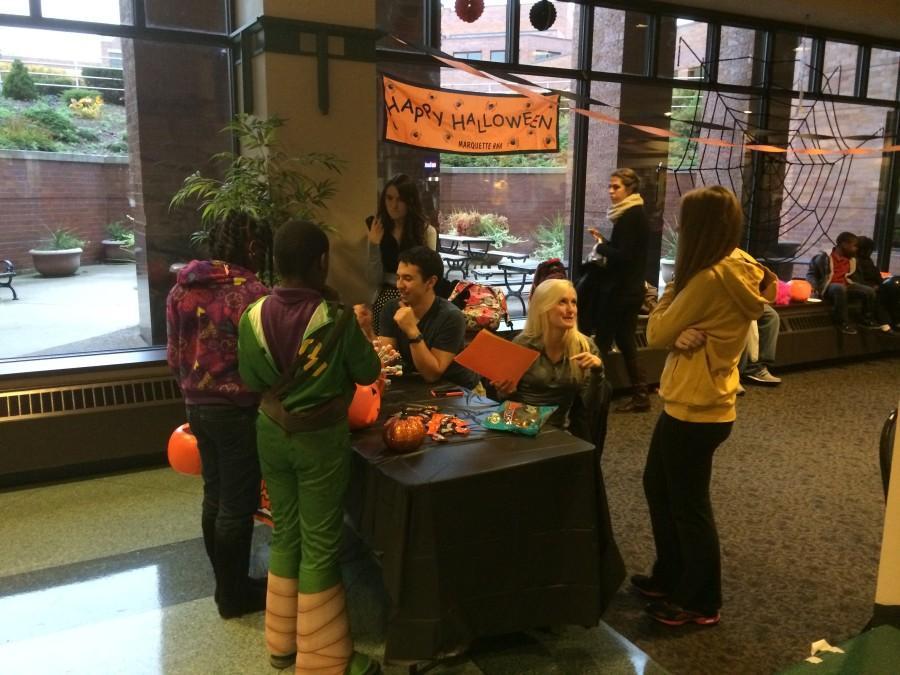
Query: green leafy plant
[669,247]
[121,232]
[497,228]
[551,238]
[19,133]
[265,186]
[61,239]
[18,84]
[67,95]
[58,123]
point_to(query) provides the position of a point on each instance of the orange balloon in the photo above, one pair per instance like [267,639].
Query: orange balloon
[366,406]
[184,455]
[800,290]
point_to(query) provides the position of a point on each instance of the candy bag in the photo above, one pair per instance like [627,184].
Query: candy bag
[518,417]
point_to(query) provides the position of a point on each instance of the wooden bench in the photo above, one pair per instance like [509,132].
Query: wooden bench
[7,272]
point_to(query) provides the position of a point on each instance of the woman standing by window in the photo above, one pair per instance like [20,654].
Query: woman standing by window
[399,225]
[615,286]
[702,319]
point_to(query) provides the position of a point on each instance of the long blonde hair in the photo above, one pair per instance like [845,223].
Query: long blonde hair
[710,228]
[537,324]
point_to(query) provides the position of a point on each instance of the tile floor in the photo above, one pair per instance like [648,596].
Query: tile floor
[109,575]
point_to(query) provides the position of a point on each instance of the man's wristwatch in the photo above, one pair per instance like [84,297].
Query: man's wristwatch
[416,339]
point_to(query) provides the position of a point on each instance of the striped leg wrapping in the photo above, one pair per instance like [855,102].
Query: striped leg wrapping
[281,615]
[324,646]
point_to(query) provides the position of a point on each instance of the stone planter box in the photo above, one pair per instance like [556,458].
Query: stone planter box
[116,251]
[62,263]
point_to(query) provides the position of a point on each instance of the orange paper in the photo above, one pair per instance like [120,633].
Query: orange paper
[467,123]
[496,358]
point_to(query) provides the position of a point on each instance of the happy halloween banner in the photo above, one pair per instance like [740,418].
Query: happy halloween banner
[467,123]
[523,87]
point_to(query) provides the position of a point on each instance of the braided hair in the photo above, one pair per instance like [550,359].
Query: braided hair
[229,240]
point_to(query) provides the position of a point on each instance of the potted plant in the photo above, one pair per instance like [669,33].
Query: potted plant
[119,247]
[669,249]
[58,255]
[262,188]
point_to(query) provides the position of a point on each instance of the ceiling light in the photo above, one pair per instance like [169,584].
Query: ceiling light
[748,112]
[640,25]
[667,114]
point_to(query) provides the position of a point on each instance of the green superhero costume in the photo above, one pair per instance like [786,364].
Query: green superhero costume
[307,473]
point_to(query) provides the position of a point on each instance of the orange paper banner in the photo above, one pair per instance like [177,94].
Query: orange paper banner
[466,123]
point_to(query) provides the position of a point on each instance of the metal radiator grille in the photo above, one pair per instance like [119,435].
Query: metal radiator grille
[86,398]
[808,322]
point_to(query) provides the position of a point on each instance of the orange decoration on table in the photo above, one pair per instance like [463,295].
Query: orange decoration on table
[404,433]
[184,455]
[365,406]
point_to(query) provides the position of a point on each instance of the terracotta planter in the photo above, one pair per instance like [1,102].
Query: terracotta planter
[115,251]
[62,263]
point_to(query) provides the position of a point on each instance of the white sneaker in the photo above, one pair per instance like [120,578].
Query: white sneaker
[764,377]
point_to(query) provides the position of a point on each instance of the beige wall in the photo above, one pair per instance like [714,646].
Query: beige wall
[286,86]
[869,17]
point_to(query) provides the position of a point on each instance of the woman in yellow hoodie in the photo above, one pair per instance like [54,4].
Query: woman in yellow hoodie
[702,319]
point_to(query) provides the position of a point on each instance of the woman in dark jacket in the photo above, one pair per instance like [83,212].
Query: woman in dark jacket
[614,282]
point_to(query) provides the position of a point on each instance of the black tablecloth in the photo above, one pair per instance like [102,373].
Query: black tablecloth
[486,534]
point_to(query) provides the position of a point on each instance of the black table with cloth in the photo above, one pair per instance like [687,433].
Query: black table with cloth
[484,534]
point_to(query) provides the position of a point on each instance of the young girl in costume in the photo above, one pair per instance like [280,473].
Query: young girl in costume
[202,314]
[307,354]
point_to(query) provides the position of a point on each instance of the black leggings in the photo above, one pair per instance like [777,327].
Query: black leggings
[618,321]
[676,484]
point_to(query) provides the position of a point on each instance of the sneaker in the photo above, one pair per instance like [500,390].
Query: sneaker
[282,661]
[673,615]
[763,377]
[848,329]
[740,390]
[647,586]
[636,404]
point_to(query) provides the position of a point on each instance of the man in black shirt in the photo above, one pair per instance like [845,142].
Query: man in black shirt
[428,331]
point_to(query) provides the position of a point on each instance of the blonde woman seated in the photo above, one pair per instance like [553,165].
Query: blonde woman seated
[568,373]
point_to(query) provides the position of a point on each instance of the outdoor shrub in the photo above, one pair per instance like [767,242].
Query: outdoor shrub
[19,133]
[669,239]
[55,121]
[464,223]
[119,231]
[50,80]
[87,134]
[117,147]
[87,108]
[60,239]
[497,228]
[66,95]
[106,79]
[18,84]
[551,238]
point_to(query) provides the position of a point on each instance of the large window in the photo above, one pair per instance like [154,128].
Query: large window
[96,134]
[795,202]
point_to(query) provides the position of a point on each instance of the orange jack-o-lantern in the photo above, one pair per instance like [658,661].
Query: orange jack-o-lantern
[184,455]
[800,290]
[404,433]
[365,406]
